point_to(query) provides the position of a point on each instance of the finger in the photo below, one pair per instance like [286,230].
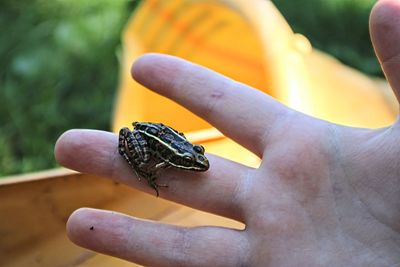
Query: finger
[240,112]
[155,244]
[219,190]
[385,34]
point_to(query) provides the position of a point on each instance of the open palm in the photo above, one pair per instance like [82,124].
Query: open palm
[324,195]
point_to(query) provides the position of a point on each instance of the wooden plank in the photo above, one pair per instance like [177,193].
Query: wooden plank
[40,175]
[34,212]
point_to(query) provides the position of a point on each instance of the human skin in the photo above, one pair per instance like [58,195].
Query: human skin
[324,194]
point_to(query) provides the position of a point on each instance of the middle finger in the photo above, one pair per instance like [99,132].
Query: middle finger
[239,111]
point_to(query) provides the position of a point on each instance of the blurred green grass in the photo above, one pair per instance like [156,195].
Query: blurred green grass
[59,64]
[58,71]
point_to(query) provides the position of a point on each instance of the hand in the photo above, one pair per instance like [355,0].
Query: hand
[324,195]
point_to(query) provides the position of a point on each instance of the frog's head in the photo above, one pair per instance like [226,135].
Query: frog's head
[192,159]
[198,159]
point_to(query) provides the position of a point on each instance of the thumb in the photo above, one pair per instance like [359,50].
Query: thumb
[385,35]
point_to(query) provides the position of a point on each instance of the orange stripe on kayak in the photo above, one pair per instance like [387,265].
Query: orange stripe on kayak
[198,41]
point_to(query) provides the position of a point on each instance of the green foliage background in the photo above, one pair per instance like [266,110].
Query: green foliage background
[339,27]
[59,64]
[58,71]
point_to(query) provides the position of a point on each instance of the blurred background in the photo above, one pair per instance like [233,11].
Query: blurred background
[60,63]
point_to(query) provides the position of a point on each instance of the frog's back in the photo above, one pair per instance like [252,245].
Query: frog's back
[163,141]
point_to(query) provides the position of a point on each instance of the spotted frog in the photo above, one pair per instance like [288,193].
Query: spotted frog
[150,147]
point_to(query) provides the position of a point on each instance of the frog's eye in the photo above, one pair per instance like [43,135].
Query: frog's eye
[202,158]
[188,157]
[199,149]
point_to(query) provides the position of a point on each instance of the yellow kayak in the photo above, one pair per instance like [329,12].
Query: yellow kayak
[268,56]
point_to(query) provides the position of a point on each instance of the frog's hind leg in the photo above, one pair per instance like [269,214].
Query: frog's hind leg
[128,149]
[125,135]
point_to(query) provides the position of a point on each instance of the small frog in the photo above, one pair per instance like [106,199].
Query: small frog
[154,146]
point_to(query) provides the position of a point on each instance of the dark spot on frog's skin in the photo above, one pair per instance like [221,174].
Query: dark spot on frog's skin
[164,154]
[91,228]
[153,131]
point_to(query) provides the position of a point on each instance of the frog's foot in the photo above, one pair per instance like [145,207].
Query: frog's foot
[154,185]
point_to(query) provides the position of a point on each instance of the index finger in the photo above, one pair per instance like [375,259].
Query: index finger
[239,111]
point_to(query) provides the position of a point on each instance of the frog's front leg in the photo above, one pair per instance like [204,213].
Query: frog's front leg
[153,184]
[161,165]
[153,176]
